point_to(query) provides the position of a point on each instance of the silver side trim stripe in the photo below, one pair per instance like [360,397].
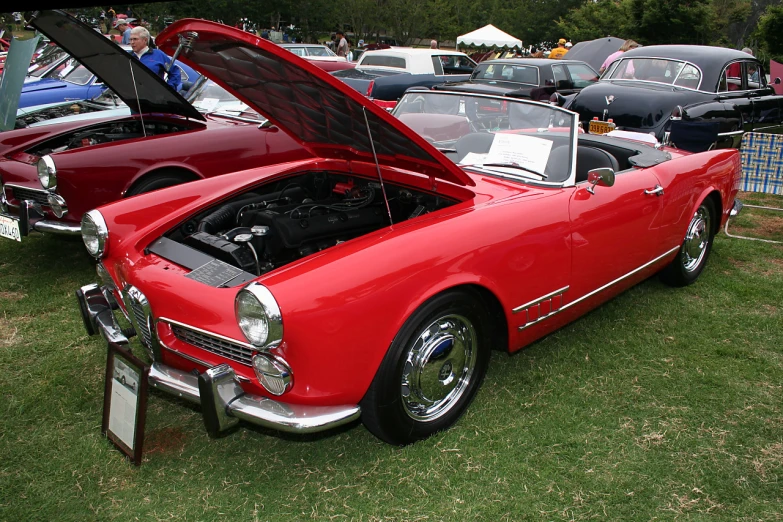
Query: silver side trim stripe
[557,309]
[540,299]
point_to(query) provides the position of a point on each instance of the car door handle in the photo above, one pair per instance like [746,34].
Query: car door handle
[658,191]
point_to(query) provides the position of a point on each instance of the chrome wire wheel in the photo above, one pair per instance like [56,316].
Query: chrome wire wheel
[439,366]
[697,240]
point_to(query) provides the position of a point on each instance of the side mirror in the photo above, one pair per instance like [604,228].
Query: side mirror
[603,177]
[777,81]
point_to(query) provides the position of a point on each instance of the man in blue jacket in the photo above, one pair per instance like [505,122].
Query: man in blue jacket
[155,59]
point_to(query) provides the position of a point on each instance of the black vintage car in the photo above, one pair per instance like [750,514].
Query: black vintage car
[534,78]
[648,87]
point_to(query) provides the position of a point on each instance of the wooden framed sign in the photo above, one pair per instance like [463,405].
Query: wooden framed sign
[125,401]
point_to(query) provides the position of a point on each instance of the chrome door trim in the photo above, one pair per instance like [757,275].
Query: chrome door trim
[594,292]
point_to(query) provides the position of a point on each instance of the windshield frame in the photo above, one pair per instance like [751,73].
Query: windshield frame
[570,179]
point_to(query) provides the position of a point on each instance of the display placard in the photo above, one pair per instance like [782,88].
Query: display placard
[125,401]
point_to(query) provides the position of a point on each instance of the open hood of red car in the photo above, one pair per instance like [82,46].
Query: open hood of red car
[321,112]
[141,89]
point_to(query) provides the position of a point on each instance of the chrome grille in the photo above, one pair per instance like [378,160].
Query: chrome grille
[222,347]
[140,314]
[22,194]
[141,321]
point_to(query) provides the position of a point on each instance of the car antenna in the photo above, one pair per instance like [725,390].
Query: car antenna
[138,103]
[377,165]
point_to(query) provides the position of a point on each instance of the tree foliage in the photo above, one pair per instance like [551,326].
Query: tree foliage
[770,31]
[717,22]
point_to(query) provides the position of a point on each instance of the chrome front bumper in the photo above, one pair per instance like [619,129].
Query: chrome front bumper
[223,401]
[31,217]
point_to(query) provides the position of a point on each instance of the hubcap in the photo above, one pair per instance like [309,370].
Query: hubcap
[696,240]
[438,367]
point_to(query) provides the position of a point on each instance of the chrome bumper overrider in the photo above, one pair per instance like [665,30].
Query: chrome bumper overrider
[223,401]
[31,217]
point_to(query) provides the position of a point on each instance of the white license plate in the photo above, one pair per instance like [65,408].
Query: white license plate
[9,227]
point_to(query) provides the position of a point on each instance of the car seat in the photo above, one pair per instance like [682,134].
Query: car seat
[477,142]
[589,158]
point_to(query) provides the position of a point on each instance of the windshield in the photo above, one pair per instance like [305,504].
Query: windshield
[672,72]
[209,97]
[512,138]
[42,64]
[70,71]
[506,72]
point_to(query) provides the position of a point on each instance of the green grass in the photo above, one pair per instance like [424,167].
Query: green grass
[663,404]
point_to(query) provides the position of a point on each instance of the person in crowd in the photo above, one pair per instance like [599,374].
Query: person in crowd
[627,46]
[122,26]
[342,44]
[112,15]
[559,51]
[433,44]
[155,59]
[568,45]
[753,71]
[18,21]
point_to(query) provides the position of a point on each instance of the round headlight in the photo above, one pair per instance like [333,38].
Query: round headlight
[95,234]
[273,373]
[259,316]
[47,173]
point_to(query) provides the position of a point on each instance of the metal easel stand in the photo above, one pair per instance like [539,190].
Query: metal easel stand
[738,205]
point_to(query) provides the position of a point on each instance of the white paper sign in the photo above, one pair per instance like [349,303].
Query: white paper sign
[473,158]
[208,104]
[124,397]
[515,149]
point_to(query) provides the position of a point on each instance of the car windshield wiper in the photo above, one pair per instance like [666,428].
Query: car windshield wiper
[512,166]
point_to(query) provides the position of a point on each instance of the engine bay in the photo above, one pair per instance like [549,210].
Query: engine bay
[55,112]
[273,225]
[105,133]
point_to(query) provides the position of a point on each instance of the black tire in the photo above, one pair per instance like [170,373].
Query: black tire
[695,249]
[419,388]
[156,181]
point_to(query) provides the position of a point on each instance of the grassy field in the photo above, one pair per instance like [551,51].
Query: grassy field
[664,404]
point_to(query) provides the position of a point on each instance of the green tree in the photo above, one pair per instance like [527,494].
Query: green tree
[671,21]
[597,20]
[770,31]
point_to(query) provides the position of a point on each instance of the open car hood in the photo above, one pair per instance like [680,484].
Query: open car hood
[324,114]
[118,69]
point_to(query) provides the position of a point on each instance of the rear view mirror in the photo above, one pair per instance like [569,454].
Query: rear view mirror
[603,177]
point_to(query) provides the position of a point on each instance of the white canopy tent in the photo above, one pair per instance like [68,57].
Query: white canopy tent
[489,36]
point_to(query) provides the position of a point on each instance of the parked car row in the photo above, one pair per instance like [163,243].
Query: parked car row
[645,90]
[348,263]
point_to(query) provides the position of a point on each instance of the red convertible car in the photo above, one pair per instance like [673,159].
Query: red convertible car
[372,280]
[50,176]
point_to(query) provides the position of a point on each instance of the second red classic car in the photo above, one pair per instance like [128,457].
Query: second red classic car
[50,176]
[372,280]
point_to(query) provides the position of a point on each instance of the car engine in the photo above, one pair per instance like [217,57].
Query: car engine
[55,112]
[264,229]
[105,133]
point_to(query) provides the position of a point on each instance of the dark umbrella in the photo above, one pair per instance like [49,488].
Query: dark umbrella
[595,52]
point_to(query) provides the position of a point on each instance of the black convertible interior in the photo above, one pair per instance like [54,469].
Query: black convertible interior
[592,152]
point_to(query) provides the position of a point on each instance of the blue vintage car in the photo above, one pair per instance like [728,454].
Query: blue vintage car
[70,80]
